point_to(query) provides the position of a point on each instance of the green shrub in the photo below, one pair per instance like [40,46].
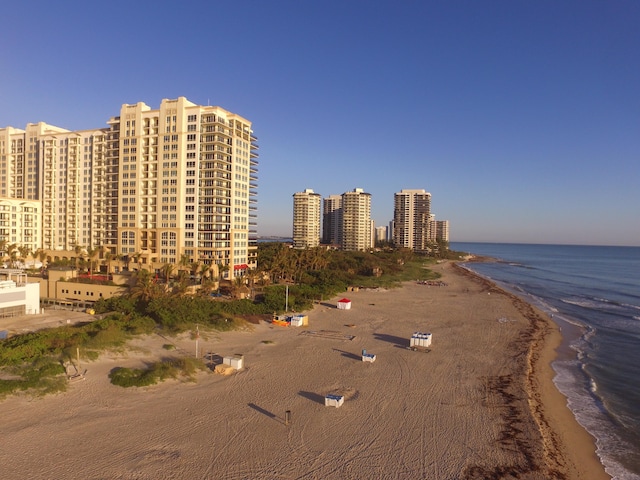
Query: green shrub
[157,372]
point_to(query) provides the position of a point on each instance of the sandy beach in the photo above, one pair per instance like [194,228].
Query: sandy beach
[480,404]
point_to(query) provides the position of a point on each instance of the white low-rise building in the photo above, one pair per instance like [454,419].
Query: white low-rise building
[17,297]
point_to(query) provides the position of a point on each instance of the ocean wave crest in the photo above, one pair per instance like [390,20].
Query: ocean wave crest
[589,411]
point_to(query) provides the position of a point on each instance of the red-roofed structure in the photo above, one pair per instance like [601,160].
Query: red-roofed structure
[344,304]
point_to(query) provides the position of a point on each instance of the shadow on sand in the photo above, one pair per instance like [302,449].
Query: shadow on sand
[330,305]
[350,355]
[314,397]
[397,341]
[265,412]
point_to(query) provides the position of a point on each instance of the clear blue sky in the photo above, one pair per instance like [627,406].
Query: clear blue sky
[521,118]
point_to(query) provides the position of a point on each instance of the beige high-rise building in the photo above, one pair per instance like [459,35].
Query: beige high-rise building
[411,219]
[356,220]
[154,187]
[381,234]
[70,188]
[441,230]
[186,185]
[306,219]
[12,162]
[54,166]
[20,223]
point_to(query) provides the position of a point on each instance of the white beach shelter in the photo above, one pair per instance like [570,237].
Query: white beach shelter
[344,304]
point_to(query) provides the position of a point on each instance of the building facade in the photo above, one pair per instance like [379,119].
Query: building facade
[441,230]
[306,219]
[356,220]
[158,186]
[381,234]
[411,220]
[20,222]
[332,220]
[17,296]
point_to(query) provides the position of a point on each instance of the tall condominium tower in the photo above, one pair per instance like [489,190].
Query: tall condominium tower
[159,185]
[185,185]
[306,219]
[356,220]
[411,219]
[332,220]
[56,167]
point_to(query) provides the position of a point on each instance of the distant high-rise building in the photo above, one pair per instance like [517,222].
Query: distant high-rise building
[332,220]
[306,219]
[442,230]
[158,185]
[412,212]
[356,220]
[381,234]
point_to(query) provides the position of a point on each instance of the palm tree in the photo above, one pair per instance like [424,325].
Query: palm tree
[145,288]
[127,261]
[12,252]
[222,269]
[118,258]
[251,276]
[205,270]
[41,255]
[138,258]
[24,253]
[167,270]
[3,248]
[180,287]
[108,257]
[78,251]
[184,262]
[93,257]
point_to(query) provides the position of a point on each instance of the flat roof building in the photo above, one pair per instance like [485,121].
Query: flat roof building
[167,184]
[332,220]
[411,216]
[306,219]
[356,220]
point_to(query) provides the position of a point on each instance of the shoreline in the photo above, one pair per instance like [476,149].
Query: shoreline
[567,445]
[480,404]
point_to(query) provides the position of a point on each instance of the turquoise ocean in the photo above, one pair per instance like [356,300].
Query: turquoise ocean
[593,294]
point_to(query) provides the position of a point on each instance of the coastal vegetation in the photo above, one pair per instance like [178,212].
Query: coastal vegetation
[288,279]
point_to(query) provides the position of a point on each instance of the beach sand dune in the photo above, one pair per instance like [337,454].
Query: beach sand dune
[463,410]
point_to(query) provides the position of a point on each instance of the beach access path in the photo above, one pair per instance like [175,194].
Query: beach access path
[463,410]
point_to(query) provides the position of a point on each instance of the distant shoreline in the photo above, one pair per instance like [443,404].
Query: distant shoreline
[565,442]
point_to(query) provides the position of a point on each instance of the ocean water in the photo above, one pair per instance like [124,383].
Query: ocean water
[593,294]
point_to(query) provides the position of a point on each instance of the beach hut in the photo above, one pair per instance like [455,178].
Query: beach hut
[333,400]
[368,357]
[235,361]
[344,304]
[300,320]
[419,339]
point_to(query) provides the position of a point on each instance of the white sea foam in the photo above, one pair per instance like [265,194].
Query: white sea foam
[584,405]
